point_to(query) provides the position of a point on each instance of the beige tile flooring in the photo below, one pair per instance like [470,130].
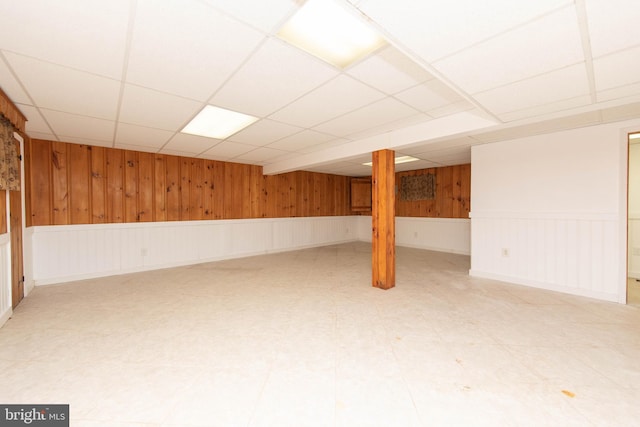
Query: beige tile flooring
[302,339]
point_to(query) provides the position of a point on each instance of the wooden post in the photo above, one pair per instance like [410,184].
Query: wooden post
[383,220]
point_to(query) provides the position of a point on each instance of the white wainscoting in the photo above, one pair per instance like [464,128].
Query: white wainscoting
[575,253]
[65,253]
[435,234]
[5,278]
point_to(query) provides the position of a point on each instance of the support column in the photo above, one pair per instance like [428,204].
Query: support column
[383,214]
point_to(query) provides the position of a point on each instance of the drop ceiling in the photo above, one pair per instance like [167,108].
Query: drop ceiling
[132,73]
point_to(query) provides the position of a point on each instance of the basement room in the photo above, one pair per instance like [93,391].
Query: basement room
[319,213]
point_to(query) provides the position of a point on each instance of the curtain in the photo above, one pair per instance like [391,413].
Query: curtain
[9,162]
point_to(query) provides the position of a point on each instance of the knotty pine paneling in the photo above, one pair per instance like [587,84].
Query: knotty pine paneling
[160,188]
[79,184]
[196,189]
[115,185]
[60,184]
[218,190]
[173,194]
[453,194]
[185,188]
[146,189]
[98,185]
[131,186]
[39,178]
[79,171]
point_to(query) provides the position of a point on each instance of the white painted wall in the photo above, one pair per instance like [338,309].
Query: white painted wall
[634,211]
[436,234]
[549,211]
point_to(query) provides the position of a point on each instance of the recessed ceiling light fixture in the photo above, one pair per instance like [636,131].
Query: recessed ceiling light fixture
[398,160]
[329,31]
[216,122]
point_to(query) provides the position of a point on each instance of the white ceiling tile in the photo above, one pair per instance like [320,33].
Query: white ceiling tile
[267,16]
[612,25]
[339,96]
[453,108]
[227,150]
[566,83]
[302,140]
[373,115]
[264,132]
[71,125]
[390,126]
[63,89]
[145,107]
[35,121]
[428,96]
[11,87]
[262,154]
[390,71]
[518,54]
[70,33]
[274,76]
[141,136]
[285,155]
[541,110]
[436,29]
[617,69]
[323,145]
[177,47]
[192,50]
[193,144]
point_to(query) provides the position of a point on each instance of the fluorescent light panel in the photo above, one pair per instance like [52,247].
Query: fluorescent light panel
[397,161]
[219,123]
[329,31]
[634,136]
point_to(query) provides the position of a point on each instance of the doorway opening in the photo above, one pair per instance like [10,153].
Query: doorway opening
[633,224]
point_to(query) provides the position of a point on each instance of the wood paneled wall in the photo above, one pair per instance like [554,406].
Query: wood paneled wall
[453,194]
[9,110]
[80,184]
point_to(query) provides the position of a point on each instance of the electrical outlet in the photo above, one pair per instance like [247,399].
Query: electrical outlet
[415,234]
[505,252]
[143,252]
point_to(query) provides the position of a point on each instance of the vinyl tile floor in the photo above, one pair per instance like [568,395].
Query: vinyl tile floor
[302,339]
